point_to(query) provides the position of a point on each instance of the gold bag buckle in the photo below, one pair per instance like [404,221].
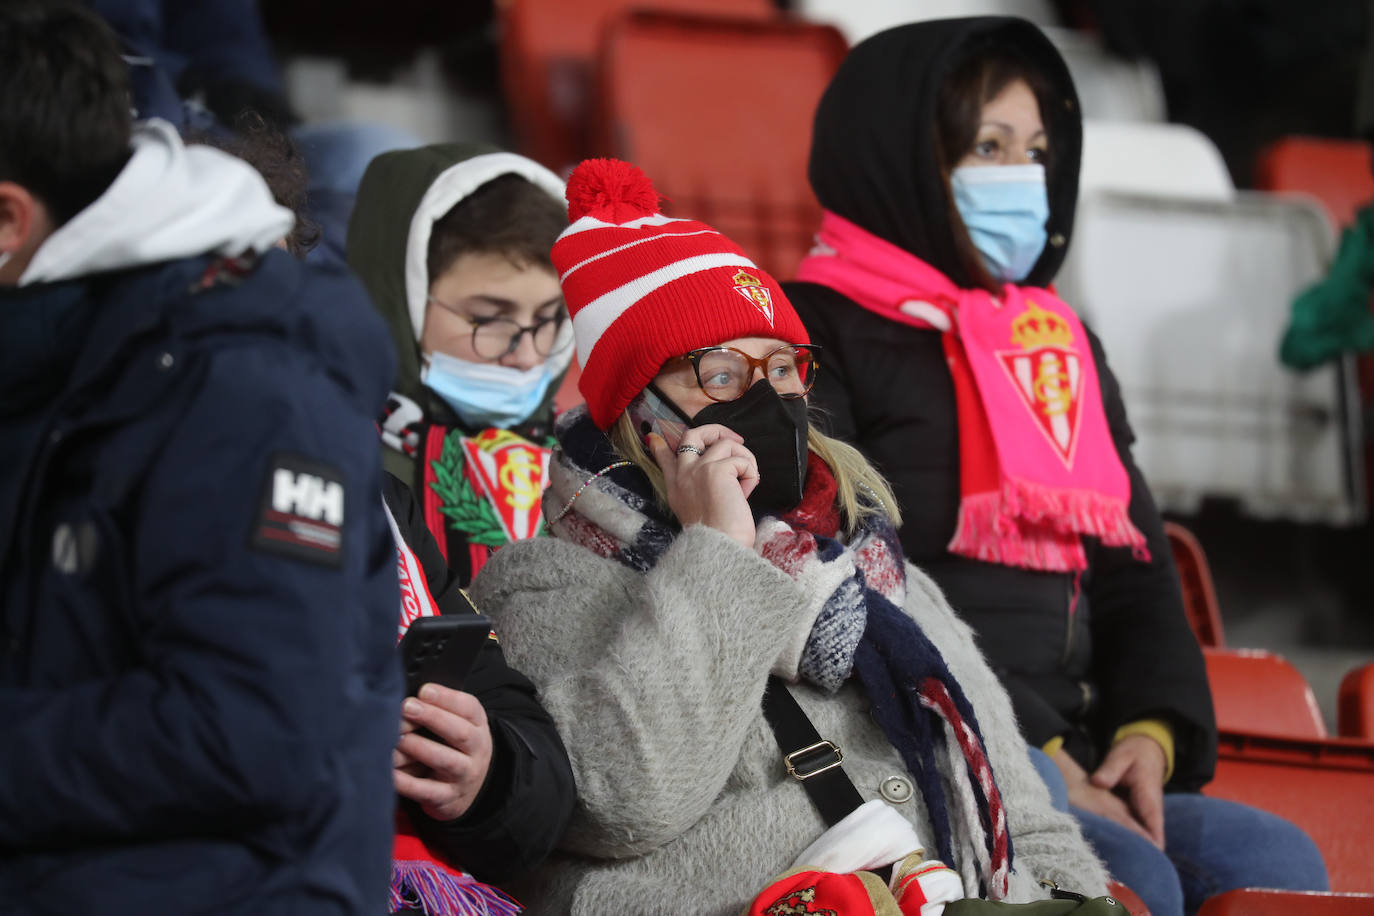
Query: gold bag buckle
[800,773]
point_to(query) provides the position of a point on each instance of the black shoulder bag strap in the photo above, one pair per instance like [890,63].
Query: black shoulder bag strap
[810,759]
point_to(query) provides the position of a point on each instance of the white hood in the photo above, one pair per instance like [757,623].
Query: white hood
[451,186]
[170,201]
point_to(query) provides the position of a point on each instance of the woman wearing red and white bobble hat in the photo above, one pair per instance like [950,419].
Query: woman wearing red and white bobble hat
[705,538]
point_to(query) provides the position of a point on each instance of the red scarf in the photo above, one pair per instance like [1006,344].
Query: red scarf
[419,878]
[819,510]
[1038,467]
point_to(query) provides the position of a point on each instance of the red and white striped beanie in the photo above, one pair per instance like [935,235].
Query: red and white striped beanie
[643,287]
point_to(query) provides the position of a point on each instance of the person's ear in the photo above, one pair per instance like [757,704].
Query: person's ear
[24,225]
[18,217]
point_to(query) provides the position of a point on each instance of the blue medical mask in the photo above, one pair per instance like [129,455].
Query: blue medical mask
[1005,208]
[487,395]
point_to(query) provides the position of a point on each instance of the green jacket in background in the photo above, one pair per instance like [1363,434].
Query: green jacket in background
[1334,315]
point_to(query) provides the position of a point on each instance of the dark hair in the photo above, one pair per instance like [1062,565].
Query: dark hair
[978,79]
[259,143]
[65,114]
[509,216]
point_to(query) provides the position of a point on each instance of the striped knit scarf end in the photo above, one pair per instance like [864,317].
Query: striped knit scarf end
[435,891]
[933,695]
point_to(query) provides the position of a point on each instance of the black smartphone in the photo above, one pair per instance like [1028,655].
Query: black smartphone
[441,650]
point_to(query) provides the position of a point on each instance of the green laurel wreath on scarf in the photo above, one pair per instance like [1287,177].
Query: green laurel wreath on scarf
[466,511]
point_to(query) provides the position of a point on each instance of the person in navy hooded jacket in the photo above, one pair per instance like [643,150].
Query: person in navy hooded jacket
[198,685]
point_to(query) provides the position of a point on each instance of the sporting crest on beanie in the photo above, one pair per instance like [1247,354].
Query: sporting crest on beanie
[752,288]
[643,287]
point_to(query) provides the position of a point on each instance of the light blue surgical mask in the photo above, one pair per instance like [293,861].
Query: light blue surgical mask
[1005,208]
[487,395]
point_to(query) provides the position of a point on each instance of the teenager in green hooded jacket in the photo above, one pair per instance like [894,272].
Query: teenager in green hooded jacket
[452,241]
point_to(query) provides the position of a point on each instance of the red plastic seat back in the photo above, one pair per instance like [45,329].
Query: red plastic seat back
[568,395]
[718,113]
[1258,902]
[1355,715]
[1325,787]
[548,48]
[1336,172]
[1128,898]
[1261,693]
[1195,577]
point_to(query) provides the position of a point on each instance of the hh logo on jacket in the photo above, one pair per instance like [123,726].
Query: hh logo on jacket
[301,514]
[308,496]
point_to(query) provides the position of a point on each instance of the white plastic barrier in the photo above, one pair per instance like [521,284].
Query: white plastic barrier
[1109,87]
[1190,298]
[858,20]
[418,100]
[1142,158]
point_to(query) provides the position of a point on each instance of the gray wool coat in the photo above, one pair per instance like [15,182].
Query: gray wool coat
[656,679]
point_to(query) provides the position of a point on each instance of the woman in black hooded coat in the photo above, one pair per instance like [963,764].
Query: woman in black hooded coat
[1032,517]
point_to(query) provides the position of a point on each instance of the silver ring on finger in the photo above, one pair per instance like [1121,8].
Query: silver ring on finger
[688,449]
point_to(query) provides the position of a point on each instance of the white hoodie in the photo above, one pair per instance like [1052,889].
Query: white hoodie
[170,201]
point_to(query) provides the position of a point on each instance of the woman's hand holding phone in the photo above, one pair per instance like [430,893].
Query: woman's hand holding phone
[709,477]
[444,769]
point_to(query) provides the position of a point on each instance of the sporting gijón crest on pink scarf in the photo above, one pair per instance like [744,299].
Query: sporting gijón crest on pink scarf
[1038,467]
[1046,370]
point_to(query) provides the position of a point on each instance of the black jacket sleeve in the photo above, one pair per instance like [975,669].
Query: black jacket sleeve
[525,804]
[1145,658]
[1038,718]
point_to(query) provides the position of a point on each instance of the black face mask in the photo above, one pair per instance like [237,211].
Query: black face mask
[774,429]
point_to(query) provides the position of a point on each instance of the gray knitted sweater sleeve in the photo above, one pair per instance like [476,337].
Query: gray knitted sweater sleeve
[654,678]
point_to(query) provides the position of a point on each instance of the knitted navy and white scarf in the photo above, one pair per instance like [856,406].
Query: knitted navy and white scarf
[607,505]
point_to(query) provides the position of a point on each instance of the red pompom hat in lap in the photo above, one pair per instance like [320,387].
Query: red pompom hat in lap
[642,287]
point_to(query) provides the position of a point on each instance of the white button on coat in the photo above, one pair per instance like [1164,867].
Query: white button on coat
[896,789]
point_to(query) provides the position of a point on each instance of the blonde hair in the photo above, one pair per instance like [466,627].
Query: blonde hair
[862,491]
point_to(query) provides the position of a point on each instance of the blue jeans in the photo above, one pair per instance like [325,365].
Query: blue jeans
[1210,846]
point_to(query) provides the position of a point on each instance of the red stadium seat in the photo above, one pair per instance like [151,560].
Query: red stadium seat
[1128,898]
[1326,787]
[718,111]
[568,396]
[1336,172]
[1355,711]
[1231,673]
[1195,577]
[1258,692]
[1258,902]
[547,52]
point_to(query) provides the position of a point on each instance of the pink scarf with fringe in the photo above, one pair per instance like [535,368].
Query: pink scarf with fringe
[1038,467]
[421,880]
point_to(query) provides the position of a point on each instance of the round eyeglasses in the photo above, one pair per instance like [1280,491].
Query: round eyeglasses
[724,373]
[493,338]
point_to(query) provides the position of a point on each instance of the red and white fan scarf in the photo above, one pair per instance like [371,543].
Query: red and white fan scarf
[1038,467]
[421,880]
